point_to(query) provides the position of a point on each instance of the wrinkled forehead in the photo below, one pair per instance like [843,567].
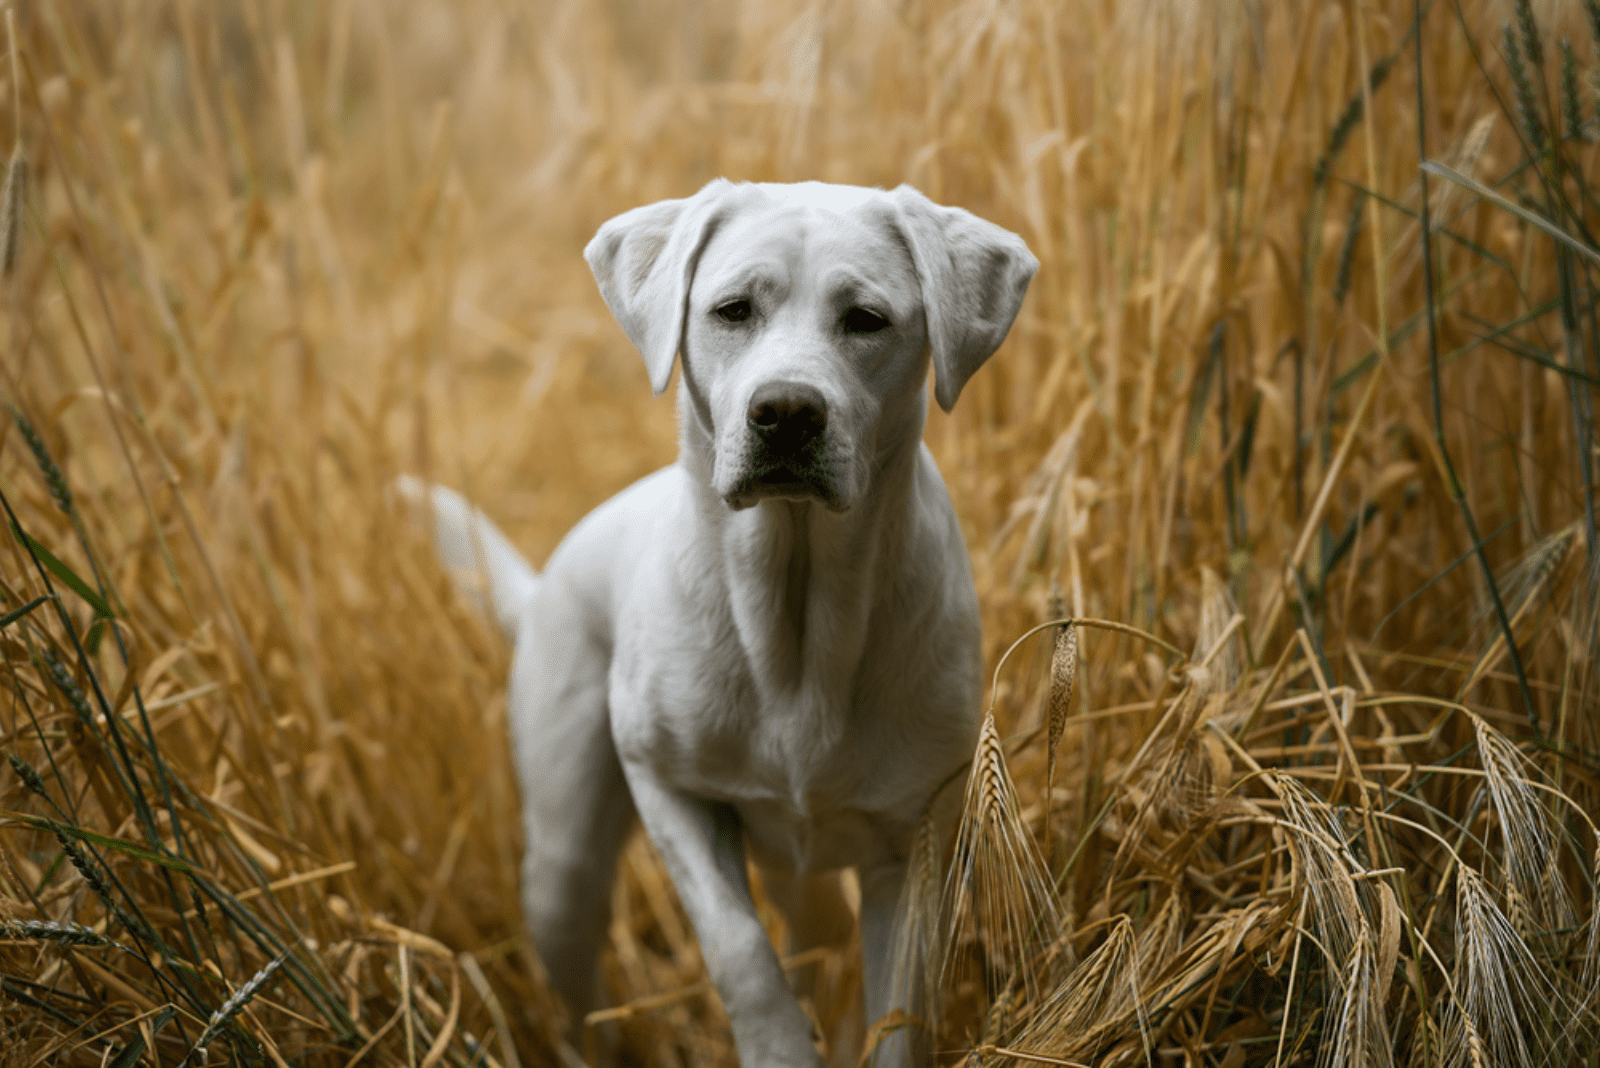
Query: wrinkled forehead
[768,241]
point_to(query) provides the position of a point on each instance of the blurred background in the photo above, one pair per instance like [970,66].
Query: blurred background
[262,256]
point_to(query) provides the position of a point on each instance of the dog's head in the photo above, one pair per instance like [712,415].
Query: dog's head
[806,315]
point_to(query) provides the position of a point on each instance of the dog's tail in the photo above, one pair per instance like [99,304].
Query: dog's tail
[487,568]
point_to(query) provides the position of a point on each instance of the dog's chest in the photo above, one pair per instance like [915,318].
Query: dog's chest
[808,772]
[831,771]
[822,681]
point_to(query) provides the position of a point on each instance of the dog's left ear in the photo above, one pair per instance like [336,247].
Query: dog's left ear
[974,276]
[644,260]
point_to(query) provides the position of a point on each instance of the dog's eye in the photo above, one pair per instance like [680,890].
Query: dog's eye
[861,321]
[735,311]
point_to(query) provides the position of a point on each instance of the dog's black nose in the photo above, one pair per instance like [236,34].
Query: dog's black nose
[788,416]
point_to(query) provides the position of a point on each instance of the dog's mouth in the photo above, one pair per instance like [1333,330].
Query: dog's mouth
[785,478]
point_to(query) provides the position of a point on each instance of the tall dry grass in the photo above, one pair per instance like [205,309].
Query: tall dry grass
[261,257]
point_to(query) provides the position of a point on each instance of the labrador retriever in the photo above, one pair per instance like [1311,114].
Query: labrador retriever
[771,647]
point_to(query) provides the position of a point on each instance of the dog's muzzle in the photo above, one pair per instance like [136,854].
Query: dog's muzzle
[787,424]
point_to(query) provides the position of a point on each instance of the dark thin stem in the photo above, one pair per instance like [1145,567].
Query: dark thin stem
[1219,345]
[121,761]
[127,774]
[1299,432]
[1457,493]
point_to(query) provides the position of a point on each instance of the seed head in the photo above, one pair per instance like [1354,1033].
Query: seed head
[1063,674]
[1347,251]
[30,778]
[1532,43]
[235,1004]
[1527,103]
[69,687]
[1571,110]
[47,464]
[62,934]
[11,202]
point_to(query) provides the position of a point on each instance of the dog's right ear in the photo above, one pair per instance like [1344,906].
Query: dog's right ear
[644,260]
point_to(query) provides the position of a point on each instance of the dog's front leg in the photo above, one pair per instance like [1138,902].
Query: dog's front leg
[881,890]
[702,843]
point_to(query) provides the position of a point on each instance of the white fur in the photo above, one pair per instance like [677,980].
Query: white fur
[790,674]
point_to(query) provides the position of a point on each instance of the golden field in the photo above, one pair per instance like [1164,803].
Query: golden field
[1308,804]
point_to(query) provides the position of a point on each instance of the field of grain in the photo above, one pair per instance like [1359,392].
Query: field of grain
[1317,495]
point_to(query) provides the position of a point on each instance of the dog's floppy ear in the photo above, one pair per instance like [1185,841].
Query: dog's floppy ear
[974,276]
[644,260]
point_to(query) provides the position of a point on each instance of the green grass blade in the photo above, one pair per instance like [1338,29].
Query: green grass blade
[1529,217]
[12,616]
[65,574]
[40,823]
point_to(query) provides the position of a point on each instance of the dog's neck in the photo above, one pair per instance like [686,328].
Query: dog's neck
[803,581]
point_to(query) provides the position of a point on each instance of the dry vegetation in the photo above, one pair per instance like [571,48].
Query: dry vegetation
[270,254]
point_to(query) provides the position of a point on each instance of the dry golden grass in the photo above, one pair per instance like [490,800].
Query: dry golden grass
[261,257]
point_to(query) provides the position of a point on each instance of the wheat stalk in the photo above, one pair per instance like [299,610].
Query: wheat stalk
[62,933]
[997,878]
[14,199]
[917,964]
[1535,892]
[1063,674]
[54,479]
[233,1006]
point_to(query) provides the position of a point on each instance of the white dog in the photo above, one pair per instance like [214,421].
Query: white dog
[772,645]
